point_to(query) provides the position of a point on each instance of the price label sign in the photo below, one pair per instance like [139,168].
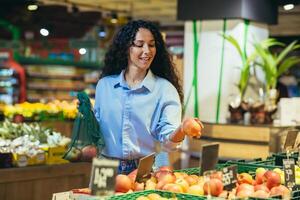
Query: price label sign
[104,171]
[290,140]
[229,177]
[145,167]
[289,172]
[209,157]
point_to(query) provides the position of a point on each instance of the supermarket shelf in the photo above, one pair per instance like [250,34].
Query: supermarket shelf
[37,99]
[46,61]
[54,88]
[54,76]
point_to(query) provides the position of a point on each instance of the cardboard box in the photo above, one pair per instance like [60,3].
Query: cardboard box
[54,155]
[20,160]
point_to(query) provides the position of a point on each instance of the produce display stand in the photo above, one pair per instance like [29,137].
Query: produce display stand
[241,141]
[64,127]
[40,182]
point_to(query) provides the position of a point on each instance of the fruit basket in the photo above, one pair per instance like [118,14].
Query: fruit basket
[251,166]
[165,194]
[196,170]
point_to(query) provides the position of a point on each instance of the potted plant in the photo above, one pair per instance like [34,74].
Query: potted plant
[239,106]
[273,66]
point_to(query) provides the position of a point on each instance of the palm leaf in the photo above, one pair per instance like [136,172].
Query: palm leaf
[235,43]
[265,44]
[287,63]
[286,51]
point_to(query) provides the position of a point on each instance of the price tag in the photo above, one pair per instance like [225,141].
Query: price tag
[209,157]
[145,167]
[102,181]
[290,140]
[229,177]
[289,173]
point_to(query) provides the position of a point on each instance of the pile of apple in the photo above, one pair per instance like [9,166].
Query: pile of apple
[265,184]
[154,196]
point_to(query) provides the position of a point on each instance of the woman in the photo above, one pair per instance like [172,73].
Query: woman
[138,98]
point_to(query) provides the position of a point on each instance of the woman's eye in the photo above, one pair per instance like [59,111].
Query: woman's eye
[141,45]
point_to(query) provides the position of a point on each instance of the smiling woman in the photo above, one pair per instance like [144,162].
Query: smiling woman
[138,99]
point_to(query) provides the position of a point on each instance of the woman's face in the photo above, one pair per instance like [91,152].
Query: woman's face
[142,51]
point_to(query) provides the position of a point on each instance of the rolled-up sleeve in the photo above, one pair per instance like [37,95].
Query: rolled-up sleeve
[97,100]
[169,120]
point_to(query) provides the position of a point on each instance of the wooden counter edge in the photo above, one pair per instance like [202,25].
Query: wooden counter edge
[43,171]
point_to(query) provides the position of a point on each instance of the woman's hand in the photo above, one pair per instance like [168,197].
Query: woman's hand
[192,127]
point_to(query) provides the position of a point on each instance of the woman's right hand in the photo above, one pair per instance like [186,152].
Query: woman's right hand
[192,127]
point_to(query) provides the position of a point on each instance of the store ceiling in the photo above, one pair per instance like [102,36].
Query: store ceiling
[60,15]
[156,10]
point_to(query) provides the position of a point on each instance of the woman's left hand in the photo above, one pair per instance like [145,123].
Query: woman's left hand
[192,127]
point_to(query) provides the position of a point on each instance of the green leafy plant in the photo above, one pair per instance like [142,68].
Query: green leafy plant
[274,65]
[246,64]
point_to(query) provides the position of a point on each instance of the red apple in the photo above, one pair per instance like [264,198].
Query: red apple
[123,183]
[214,186]
[217,175]
[172,187]
[245,178]
[261,187]
[192,180]
[223,194]
[166,176]
[271,179]
[132,175]
[139,186]
[244,193]
[88,153]
[73,155]
[259,177]
[192,127]
[280,190]
[245,186]
[260,194]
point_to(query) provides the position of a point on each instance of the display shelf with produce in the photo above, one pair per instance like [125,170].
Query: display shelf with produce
[12,82]
[9,91]
[50,82]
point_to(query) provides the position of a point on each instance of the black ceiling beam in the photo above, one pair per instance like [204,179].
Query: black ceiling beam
[265,11]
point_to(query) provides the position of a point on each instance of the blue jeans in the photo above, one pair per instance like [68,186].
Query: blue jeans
[127,166]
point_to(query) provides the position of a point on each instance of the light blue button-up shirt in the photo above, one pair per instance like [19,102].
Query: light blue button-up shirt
[132,120]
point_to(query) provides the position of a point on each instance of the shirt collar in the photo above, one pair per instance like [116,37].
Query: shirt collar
[148,82]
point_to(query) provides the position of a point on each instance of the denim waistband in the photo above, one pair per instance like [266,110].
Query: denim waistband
[125,166]
[120,159]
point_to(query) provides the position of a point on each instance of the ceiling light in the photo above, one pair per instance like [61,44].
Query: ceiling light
[288,6]
[44,32]
[82,51]
[114,18]
[101,31]
[32,7]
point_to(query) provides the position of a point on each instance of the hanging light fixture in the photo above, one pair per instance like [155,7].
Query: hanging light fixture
[289,6]
[101,31]
[114,17]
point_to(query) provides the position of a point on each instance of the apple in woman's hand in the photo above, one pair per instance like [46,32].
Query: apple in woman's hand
[192,127]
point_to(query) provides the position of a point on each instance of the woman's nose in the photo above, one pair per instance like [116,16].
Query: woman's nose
[146,48]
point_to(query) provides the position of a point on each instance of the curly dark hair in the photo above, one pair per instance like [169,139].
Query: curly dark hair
[116,58]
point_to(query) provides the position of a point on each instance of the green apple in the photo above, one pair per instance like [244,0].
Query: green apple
[260,170]
[278,170]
